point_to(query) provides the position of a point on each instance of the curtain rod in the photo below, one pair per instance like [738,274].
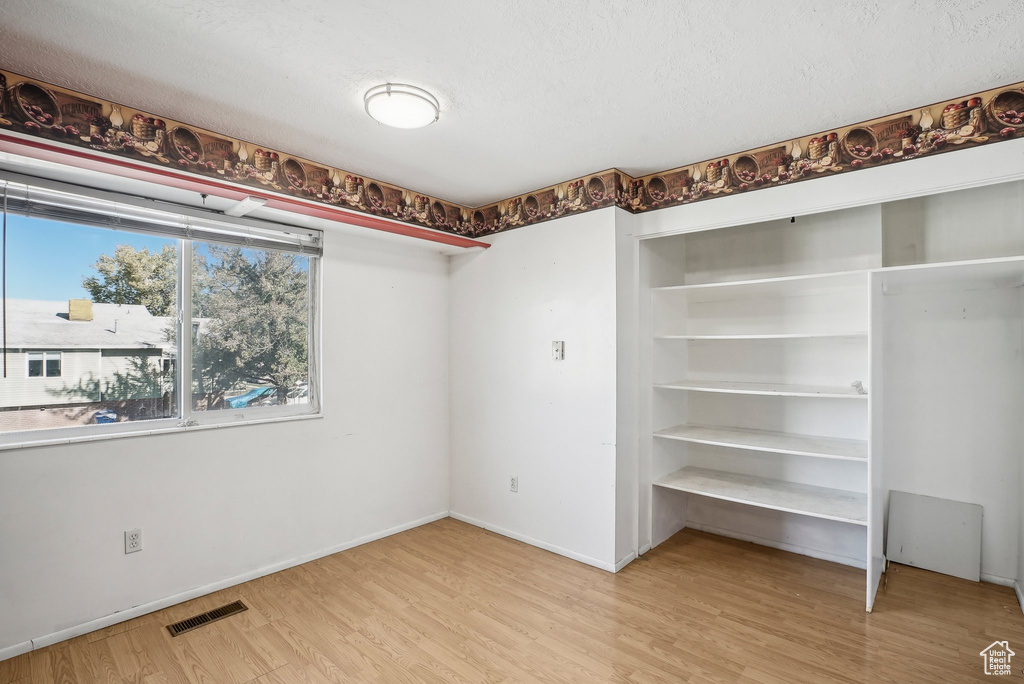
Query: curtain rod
[143,202]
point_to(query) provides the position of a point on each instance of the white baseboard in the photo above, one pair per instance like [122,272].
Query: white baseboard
[996,579]
[625,561]
[604,565]
[143,609]
[644,549]
[783,546]
[1020,595]
[15,650]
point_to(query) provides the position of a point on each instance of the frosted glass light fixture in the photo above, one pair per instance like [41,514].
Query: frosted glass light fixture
[401,106]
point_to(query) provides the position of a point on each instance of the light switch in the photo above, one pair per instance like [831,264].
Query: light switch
[558,350]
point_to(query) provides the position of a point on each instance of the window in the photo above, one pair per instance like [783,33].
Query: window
[38,362]
[250,344]
[52,360]
[168,316]
[35,364]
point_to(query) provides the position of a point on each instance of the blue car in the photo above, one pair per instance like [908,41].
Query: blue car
[251,397]
[104,416]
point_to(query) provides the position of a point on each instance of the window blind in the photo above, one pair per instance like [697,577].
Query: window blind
[110,210]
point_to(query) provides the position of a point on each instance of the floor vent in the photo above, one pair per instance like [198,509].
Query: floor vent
[206,618]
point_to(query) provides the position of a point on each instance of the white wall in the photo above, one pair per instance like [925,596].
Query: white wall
[218,504]
[627,386]
[515,411]
[1019,579]
[953,402]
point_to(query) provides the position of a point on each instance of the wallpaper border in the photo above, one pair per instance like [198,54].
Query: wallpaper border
[35,108]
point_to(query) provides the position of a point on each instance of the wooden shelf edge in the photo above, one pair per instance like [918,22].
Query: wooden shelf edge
[678,481]
[770,336]
[749,446]
[761,281]
[758,389]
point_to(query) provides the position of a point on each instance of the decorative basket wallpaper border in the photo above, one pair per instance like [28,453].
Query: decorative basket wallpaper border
[986,117]
[983,118]
[37,108]
[32,107]
[588,193]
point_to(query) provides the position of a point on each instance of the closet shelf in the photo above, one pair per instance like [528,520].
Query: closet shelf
[770,336]
[978,273]
[773,442]
[764,388]
[797,285]
[778,495]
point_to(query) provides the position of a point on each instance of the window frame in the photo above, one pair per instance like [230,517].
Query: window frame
[44,354]
[60,364]
[184,372]
[186,419]
[28,364]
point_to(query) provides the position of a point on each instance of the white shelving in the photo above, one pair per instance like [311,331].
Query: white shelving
[778,495]
[767,324]
[814,306]
[764,389]
[808,284]
[757,334]
[956,275]
[776,336]
[769,441]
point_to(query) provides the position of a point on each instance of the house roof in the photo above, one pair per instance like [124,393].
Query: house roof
[36,324]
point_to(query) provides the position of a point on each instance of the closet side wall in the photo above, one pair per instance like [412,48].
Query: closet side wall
[516,412]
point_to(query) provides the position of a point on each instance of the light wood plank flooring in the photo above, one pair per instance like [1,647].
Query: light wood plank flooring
[448,602]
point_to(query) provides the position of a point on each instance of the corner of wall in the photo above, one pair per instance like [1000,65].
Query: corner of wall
[627,322]
[515,412]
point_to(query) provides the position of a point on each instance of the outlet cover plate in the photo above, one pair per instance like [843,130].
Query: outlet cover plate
[133,540]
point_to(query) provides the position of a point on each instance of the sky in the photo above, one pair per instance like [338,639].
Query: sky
[48,259]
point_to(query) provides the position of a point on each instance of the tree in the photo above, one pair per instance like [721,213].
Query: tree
[251,306]
[134,276]
[254,319]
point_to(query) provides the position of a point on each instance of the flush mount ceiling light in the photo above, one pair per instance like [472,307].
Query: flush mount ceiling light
[401,106]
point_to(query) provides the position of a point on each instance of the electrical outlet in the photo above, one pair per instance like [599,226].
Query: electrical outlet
[514,487]
[133,540]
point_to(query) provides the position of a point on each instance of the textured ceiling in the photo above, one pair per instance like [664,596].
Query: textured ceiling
[532,93]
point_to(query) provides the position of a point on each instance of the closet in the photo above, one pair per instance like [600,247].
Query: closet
[794,372]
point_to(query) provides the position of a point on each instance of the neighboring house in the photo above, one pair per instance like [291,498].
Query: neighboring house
[76,352]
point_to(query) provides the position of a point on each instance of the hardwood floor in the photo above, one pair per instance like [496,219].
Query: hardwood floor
[448,602]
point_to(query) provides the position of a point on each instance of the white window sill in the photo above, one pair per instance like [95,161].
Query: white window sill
[141,429]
